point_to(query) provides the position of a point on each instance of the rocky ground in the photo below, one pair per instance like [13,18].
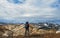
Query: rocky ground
[18,31]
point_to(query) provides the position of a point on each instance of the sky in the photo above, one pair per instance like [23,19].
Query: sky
[18,11]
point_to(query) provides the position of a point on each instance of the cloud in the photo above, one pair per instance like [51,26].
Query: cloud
[16,1]
[13,9]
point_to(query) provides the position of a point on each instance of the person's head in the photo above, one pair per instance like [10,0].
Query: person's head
[27,22]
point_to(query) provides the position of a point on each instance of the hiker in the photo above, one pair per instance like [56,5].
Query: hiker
[27,28]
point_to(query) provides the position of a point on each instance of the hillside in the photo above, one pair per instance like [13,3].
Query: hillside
[19,30]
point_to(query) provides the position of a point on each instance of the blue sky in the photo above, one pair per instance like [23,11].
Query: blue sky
[17,11]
